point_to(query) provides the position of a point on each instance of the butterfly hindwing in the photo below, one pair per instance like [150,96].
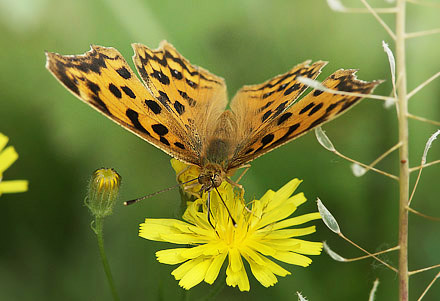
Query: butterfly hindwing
[312,110]
[102,78]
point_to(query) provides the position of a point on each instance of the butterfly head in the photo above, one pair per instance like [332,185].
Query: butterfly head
[211,177]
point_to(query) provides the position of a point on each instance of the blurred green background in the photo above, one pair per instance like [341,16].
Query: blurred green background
[48,251]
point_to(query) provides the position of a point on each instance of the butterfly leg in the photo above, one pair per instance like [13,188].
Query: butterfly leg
[246,168]
[235,184]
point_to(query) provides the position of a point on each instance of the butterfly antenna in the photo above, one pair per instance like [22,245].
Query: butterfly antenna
[157,192]
[208,204]
[227,209]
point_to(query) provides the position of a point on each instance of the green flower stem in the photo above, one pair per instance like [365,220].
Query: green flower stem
[99,223]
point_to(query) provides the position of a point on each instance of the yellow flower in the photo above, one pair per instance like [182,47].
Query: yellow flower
[262,230]
[185,173]
[103,191]
[7,157]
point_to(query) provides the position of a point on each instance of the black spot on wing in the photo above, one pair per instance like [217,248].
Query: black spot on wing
[267,139]
[176,74]
[179,145]
[306,108]
[293,88]
[315,109]
[154,106]
[128,91]
[134,118]
[331,107]
[283,118]
[161,77]
[164,140]
[180,108]
[191,83]
[265,106]
[115,91]
[250,150]
[93,87]
[71,84]
[282,87]
[163,98]
[100,104]
[266,115]
[190,100]
[124,73]
[287,135]
[265,95]
[160,129]
[317,93]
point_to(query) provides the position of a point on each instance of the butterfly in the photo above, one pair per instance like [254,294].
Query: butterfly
[180,108]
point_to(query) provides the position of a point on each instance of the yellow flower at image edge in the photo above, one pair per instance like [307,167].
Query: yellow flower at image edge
[7,157]
[263,230]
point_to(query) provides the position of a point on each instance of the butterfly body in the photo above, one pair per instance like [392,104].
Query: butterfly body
[181,108]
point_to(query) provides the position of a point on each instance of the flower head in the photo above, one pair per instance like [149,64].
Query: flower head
[262,230]
[7,157]
[103,191]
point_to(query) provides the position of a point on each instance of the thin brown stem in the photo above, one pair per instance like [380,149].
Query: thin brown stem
[371,255]
[365,166]
[379,19]
[424,269]
[422,33]
[424,165]
[422,85]
[429,286]
[381,157]
[402,106]
[436,219]
[423,119]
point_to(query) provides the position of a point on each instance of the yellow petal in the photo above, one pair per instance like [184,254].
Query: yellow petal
[171,256]
[235,261]
[285,233]
[293,258]
[13,186]
[262,274]
[214,268]
[296,220]
[178,166]
[261,247]
[298,199]
[237,278]
[7,157]
[195,275]
[276,214]
[208,249]
[275,268]
[185,267]
[153,229]
[286,191]
[3,141]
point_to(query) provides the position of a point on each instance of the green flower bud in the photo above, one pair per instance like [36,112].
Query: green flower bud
[103,191]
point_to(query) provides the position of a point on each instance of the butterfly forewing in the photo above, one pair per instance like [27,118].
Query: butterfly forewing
[264,102]
[193,95]
[312,110]
[103,79]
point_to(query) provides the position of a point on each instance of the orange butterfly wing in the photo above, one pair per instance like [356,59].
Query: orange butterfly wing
[314,109]
[102,78]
